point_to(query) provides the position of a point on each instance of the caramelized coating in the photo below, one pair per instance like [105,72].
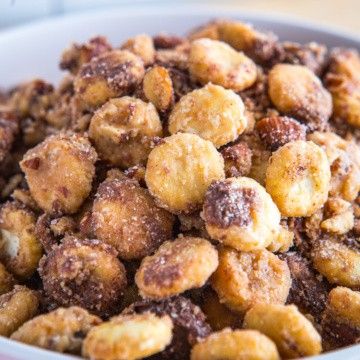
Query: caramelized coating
[296,91]
[298,178]
[293,334]
[240,213]
[67,164]
[180,169]
[177,266]
[9,128]
[6,280]
[215,61]
[83,273]
[111,74]
[17,307]
[235,345]
[128,337]
[141,45]
[61,330]
[238,159]
[244,279]
[20,250]
[211,112]
[125,216]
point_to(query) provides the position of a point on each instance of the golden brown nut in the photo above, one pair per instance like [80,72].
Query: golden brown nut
[6,280]
[283,241]
[240,213]
[17,307]
[9,127]
[211,112]
[61,330]
[83,273]
[238,159]
[111,74]
[20,250]
[295,90]
[244,279]
[215,61]
[125,216]
[158,87]
[59,172]
[298,178]
[180,169]
[209,30]
[235,345]
[293,334]
[123,129]
[128,337]
[177,266]
[141,45]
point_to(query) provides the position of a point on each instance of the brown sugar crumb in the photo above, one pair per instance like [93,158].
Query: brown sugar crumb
[237,159]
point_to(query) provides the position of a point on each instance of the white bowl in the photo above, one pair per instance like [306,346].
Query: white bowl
[34,51]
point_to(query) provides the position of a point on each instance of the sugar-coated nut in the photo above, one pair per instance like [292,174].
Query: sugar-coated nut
[244,279]
[283,242]
[240,213]
[298,178]
[217,62]
[20,250]
[6,280]
[61,330]
[128,337]
[17,307]
[212,112]
[125,216]
[235,345]
[337,262]
[339,224]
[83,273]
[66,162]
[177,266]
[209,30]
[295,90]
[122,131]
[180,169]
[158,87]
[112,74]
[9,128]
[293,334]
[141,45]
[238,159]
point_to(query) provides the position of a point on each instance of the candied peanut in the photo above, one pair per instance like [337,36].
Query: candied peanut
[9,128]
[293,334]
[125,216]
[295,90]
[244,279]
[298,178]
[340,223]
[240,213]
[111,74]
[84,273]
[141,45]
[209,30]
[180,169]
[122,131]
[337,262]
[20,250]
[237,159]
[235,345]
[128,337]
[215,61]
[61,330]
[6,280]
[283,242]
[158,87]
[17,307]
[212,112]
[66,163]
[177,266]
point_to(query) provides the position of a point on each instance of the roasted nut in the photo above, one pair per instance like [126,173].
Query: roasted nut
[125,216]
[211,112]
[62,330]
[9,127]
[283,241]
[298,178]
[6,280]
[339,224]
[234,345]
[128,337]
[215,61]
[122,131]
[293,334]
[237,159]
[167,41]
[67,164]
[141,45]
[240,213]
[179,171]
[176,266]
[209,30]
[295,90]
[111,74]
[17,307]
[244,279]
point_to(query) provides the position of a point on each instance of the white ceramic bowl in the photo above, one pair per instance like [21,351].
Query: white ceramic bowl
[34,51]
